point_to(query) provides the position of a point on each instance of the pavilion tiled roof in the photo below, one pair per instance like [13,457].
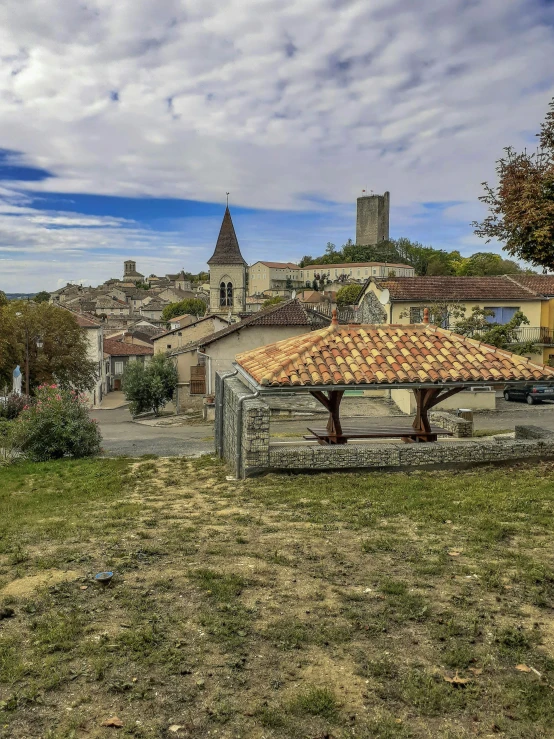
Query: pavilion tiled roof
[454,288]
[385,354]
[227,250]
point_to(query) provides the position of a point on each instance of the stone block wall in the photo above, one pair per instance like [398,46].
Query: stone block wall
[531,432]
[241,425]
[394,457]
[461,428]
[242,438]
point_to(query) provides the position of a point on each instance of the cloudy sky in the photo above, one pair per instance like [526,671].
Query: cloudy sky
[123,124]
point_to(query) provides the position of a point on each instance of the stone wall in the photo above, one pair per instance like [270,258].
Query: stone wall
[242,438]
[531,432]
[461,428]
[241,425]
[394,457]
[370,310]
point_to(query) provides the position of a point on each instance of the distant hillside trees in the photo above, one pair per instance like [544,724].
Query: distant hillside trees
[425,259]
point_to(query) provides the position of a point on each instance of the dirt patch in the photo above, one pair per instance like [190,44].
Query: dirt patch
[25,586]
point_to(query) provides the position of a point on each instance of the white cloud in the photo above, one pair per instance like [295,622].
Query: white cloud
[270,99]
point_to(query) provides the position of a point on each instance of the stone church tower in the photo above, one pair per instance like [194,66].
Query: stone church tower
[372,219]
[228,272]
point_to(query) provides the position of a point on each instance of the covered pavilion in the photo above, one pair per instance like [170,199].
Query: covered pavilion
[433,362]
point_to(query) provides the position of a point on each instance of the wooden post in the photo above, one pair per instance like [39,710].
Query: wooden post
[427,398]
[333,424]
[331,401]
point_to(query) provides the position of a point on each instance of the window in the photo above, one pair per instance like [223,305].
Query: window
[226,294]
[118,368]
[416,315]
[168,346]
[501,315]
[366,271]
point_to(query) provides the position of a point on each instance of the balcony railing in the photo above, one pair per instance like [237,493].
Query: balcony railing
[529,335]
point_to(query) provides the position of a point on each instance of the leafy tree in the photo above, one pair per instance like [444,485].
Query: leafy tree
[3,299]
[315,285]
[149,386]
[142,286]
[63,356]
[193,306]
[504,336]
[288,284]
[306,261]
[521,206]
[42,297]
[275,300]
[486,263]
[348,295]
[57,425]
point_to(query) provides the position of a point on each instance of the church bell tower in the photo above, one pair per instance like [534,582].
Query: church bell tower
[228,272]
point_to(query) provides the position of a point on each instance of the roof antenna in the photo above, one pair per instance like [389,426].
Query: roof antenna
[227,198]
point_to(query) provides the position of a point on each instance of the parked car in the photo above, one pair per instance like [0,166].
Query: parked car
[530,394]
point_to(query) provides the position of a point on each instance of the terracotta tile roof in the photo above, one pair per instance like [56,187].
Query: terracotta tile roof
[289,313]
[85,321]
[120,349]
[227,250]
[348,265]
[385,354]
[540,284]
[453,288]
[279,265]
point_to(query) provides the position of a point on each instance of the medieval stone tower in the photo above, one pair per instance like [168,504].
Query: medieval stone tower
[228,272]
[372,219]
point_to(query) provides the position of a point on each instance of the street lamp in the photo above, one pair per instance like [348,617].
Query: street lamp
[39,344]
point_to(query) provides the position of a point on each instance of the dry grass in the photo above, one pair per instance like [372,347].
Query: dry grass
[331,605]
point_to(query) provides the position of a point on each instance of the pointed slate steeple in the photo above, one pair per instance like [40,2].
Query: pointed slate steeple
[227,250]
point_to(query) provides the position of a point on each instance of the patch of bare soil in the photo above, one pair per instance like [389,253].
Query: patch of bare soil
[24,587]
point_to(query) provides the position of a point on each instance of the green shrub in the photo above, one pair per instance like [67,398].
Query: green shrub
[13,405]
[149,386]
[9,447]
[56,425]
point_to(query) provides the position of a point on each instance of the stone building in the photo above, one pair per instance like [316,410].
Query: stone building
[372,219]
[130,273]
[228,272]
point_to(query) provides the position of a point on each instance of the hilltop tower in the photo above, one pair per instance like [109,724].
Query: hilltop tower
[227,272]
[372,219]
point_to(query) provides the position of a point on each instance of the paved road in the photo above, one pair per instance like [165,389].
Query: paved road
[122,436]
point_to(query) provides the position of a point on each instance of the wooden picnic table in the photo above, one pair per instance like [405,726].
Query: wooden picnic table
[408,434]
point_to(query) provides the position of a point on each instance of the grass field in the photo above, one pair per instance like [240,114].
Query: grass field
[333,605]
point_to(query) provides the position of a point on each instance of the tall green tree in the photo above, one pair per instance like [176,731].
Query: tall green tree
[41,297]
[192,306]
[151,385]
[3,299]
[62,356]
[521,205]
[348,295]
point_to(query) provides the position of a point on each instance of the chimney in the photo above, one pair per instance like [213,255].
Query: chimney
[426,315]
[334,319]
